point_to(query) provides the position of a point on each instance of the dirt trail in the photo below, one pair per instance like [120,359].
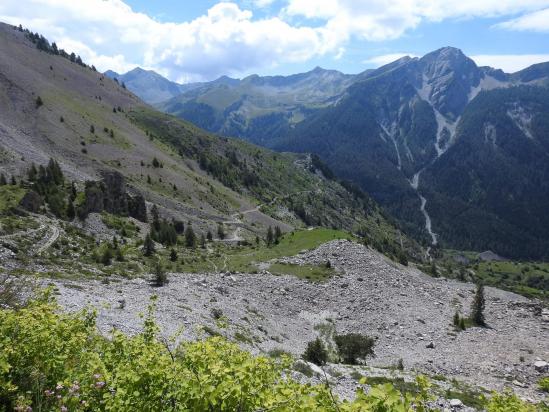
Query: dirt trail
[54,236]
[236,217]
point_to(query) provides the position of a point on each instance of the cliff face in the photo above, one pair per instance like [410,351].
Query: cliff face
[111,195]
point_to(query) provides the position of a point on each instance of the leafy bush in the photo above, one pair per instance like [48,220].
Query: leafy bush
[316,352]
[354,346]
[51,360]
[544,384]
[507,402]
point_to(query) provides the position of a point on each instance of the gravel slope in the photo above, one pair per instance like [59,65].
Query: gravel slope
[405,309]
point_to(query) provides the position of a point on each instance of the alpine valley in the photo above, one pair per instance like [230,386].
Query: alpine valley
[459,154]
[316,242]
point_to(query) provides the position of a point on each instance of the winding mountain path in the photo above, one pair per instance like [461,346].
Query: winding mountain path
[236,217]
[50,241]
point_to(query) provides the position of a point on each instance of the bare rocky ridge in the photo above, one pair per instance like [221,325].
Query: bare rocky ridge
[408,312]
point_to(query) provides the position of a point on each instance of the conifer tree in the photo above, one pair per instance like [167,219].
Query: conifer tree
[32,173]
[148,246]
[160,276]
[173,255]
[209,236]
[220,232]
[477,307]
[190,237]
[71,212]
[277,234]
[456,319]
[3,181]
[270,236]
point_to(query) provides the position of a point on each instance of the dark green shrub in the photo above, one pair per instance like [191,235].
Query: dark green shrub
[354,346]
[316,352]
[160,275]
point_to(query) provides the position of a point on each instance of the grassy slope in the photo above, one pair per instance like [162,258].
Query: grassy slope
[242,176]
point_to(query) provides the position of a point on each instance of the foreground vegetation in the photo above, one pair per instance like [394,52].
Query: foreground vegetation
[50,360]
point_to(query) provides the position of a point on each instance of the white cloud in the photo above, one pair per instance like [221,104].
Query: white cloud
[536,21]
[388,19]
[228,39]
[263,3]
[510,63]
[378,61]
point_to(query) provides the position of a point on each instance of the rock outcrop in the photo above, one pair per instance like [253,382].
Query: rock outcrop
[31,202]
[111,195]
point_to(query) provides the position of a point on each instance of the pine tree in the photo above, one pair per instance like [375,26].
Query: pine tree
[220,232]
[3,181]
[209,236]
[202,241]
[270,236]
[456,319]
[149,181]
[434,270]
[477,307]
[32,173]
[107,256]
[119,255]
[71,212]
[160,276]
[13,182]
[155,218]
[74,192]
[190,237]
[173,255]
[277,234]
[148,246]
[39,102]
[92,129]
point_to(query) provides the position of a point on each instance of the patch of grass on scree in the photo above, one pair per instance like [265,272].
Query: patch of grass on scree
[246,258]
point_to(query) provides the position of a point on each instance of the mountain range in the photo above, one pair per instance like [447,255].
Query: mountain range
[456,152]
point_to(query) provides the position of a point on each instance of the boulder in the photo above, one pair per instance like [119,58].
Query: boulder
[456,404]
[114,190]
[111,195]
[541,366]
[31,202]
[94,198]
[137,208]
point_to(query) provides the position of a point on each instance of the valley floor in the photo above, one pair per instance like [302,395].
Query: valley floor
[408,312]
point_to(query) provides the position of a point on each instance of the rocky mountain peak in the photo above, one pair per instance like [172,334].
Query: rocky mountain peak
[448,76]
[446,61]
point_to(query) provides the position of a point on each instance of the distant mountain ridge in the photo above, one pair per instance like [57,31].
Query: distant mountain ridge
[153,88]
[410,134]
[257,108]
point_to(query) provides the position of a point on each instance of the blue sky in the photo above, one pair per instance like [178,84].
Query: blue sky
[203,39]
